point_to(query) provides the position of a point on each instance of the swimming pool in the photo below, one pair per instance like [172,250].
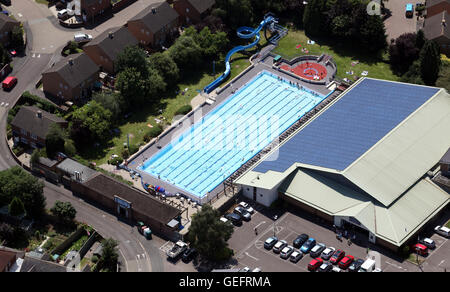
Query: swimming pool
[207,153]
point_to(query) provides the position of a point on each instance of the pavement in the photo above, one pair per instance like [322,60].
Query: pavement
[398,23]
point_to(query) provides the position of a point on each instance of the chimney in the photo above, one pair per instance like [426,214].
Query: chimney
[111,35]
[153,10]
[39,114]
[70,61]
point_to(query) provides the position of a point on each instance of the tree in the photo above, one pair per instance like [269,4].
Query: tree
[109,257]
[111,101]
[420,39]
[91,120]
[35,156]
[15,182]
[16,207]
[186,53]
[430,62]
[209,235]
[314,18]
[165,66]
[235,13]
[17,41]
[5,58]
[54,141]
[132,57]
[403,52]
[69,148]
[64,211]
[373,34]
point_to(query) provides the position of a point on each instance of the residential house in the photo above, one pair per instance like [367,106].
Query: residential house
[154,25]
[72,78]
[436,28]
[6,26]
[31,125]
[437,6]
[10,259]
[105,48]
[193,11]
[92,8]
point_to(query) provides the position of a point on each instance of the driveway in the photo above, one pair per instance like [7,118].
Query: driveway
[398,23]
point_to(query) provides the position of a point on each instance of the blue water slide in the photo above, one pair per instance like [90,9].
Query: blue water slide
[243,33]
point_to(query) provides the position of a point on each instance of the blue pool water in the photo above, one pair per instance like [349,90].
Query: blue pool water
[202,157]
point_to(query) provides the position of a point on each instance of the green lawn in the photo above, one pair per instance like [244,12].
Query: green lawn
[42,2]
[342,54]
[448,224]
[137,124]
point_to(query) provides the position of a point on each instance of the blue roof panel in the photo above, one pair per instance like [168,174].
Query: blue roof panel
[351,126]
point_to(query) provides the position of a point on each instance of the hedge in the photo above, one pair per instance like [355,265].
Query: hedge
[183,110]
[39,102]
[152,133]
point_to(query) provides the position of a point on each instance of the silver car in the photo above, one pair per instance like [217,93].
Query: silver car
[328,252]
[286,252]
[295,256]
[279,246]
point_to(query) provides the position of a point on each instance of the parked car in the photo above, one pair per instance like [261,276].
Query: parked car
[354,267]
[189,255]
[428,242]
[82,37]
[326,267]
[279,246]
[236,219]
[315,264]
[295,256]
[255,270]
[327,253]
[300,240]
[241,211]
[442,230]
[420,249]
[286,252]
[247,207]
[224,220]
[337,256]
[246,269]
[336,269]
[409,10]
[308,245]
[270,242]
[346,261]
[63,14]
[9,83]
[317,250]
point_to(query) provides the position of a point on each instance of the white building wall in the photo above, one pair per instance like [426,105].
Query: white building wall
[263,196]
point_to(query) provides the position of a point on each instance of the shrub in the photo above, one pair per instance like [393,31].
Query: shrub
[125,153]
[183,110]
[152,133]
[117,161]
[94,259]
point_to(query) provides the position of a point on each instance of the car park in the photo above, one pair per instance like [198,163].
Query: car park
[315,264]
[300,240]
[443,231]
[308,245]
[420,249]
[428,242]
[327,253]
[326,267]
[189,255]
[317,250]
[270,242]
[337,256]
[247,207]
[286,252]
[82,37]
[236,219]
[346,261]
[354,267]
[242,212]
[295,256]
[279,246]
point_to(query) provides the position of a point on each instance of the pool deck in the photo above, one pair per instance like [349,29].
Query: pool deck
[203,110]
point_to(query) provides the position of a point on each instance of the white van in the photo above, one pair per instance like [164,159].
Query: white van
[367,266]
[63,13]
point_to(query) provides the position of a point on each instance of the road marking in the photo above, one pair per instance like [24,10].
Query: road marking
[250,256]
[126,264]
[2,103]
[259,244]
[443,261]
[396,266]
[39,56]
[260,224]
[33,55]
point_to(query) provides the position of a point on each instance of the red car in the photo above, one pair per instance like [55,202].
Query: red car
[9,82]
[420,249]
[337,256]
[346,261]
[315,264]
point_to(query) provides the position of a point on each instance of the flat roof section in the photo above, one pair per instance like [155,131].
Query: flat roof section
[351,126]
